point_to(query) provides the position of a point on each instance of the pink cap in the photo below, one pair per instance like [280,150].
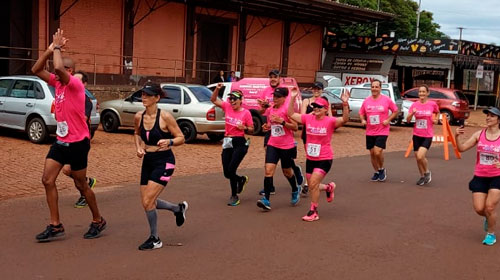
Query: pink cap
[321,102]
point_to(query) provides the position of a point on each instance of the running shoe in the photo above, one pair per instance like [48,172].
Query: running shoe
[485,225]
[263,192]
[264,204]
[242,184]
[51,232]
[151,244]
[329,191]
[295,196]
[421,181]
[382,175]
[305,190]
[180,216]
[375,177]
[233,201]
[427,177]
[311,216]
[95,229]
[299,177]
[82,202]
[490,239]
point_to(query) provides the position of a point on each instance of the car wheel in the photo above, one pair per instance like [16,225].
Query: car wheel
[257,125]
[448,115]
[37,131]
[188,130]
[215,137]
[110,122]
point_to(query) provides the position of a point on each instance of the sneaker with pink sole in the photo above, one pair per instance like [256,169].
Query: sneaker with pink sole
[311,216]
[330,187]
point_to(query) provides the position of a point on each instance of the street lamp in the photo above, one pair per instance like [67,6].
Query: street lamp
[418,18]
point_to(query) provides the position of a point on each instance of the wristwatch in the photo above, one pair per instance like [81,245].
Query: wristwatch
[283,123]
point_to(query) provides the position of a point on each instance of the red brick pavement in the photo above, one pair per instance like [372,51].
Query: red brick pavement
[112,159]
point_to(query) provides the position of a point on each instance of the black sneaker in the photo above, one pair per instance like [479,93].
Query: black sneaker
[421,181]
[375,177]
[50,233]
[242,184]
[305,190]
[82,202]
[180,217]
[263,192]
[95,229]
[427,177]
[382,175]
[151,244]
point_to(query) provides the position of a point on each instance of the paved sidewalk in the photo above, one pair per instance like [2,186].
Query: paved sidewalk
[391,230]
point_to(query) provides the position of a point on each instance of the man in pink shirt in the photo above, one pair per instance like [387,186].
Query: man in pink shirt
[374,114]
[73,139]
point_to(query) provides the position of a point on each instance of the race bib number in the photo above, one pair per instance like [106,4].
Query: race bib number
[375,119]
[277,130]
[487,159]
[227,143]
[62,129]
[421,124]
[313,150]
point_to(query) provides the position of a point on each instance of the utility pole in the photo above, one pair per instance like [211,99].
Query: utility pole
[460,38]
[418,19]
[376,24]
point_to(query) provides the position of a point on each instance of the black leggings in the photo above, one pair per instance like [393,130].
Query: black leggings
[231,159]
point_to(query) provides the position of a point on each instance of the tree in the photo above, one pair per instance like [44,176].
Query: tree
[404,24]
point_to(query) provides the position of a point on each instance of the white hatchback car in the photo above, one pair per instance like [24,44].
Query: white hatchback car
[26,103]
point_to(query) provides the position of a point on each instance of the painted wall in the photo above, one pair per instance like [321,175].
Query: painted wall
[263,46]
[42,26]
[94,27]
[304,57]
[159,41]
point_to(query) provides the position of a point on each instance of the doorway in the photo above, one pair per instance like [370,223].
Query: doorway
[213,51]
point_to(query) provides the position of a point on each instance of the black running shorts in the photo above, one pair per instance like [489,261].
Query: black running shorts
[484,184]
[375,140]
[273,155]
[75,154]
[421,142]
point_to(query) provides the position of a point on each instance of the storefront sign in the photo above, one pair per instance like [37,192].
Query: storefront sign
[356,64]
[480,71]
[356,79]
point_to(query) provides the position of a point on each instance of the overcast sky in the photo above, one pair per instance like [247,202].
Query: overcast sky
[480,18]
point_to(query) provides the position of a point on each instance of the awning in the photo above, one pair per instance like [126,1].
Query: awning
[357,63]
[424,62]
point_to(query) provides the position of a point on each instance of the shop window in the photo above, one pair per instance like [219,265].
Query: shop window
[485,84]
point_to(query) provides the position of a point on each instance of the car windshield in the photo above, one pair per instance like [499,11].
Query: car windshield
[460,95]
[362,93]
[335,91]
[52,91]
[201,93]
[332,98]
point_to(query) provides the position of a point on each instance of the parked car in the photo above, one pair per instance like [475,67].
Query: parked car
[360,92]
[27,104]
[406,109]
[451,102]
[188,103]
[252,88]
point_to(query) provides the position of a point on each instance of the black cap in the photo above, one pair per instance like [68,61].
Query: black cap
[318,85]
[152,89]
[280,92]
[494,110]
[275,72]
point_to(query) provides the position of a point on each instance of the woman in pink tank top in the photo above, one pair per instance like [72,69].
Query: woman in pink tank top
[425,113]
[319,129]
[485,185]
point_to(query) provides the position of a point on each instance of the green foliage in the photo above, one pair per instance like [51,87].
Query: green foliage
[404,24]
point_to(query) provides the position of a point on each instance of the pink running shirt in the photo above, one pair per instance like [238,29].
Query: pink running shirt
[423,118]
[281,137]
[319,136]
[376,111]
[70,110]
[234,118]
[487,153]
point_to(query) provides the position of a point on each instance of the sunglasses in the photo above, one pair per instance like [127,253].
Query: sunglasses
[317,106]
[233,98]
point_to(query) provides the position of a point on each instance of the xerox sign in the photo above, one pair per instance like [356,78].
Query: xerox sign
[356,79]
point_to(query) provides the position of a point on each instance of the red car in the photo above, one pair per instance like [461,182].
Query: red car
[451,102]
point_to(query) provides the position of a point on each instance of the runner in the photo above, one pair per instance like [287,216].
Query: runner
[319,128]
[266,101]
[73,139]
[426,114]
[156,132]
[81,202]
[485,185]
[376,110]
[280,146]
[235,146]
[307,108]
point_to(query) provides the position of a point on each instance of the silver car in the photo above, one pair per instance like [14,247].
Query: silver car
[26,103]
[189,104]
